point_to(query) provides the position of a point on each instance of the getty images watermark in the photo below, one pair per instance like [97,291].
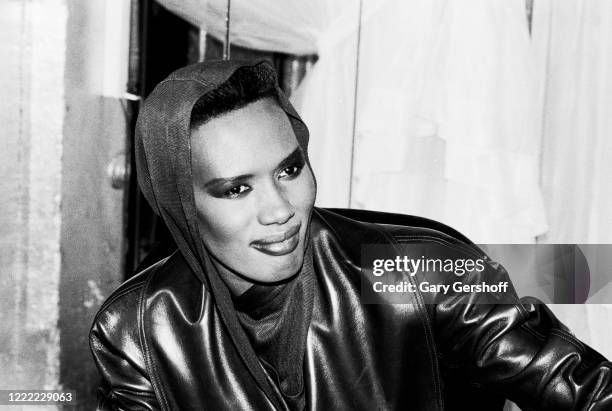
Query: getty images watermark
[410,266]
[433,271]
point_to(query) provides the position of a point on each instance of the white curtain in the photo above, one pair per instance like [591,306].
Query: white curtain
[577,171]
[448,125]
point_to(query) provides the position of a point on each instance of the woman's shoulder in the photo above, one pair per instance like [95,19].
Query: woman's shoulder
[115,338]
[122,306]
[119,321]
[357,236]
[381,227]
[127,292]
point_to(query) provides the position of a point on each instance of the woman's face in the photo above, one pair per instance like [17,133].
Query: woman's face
[253,192]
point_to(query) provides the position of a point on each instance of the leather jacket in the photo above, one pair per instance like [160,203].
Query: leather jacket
[159,343]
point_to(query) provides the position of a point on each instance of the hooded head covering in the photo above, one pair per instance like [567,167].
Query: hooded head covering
[163,163]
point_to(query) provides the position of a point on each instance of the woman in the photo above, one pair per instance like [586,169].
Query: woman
[268,302]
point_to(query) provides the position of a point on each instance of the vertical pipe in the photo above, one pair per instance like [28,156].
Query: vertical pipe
[226,48]
[352,159]
[529,11]
[139,16]
[133,84]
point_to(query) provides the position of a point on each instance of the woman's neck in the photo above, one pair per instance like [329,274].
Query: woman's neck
[236,284]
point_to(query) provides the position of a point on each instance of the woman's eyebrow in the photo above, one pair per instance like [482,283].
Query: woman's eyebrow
[228,180]
[295,157]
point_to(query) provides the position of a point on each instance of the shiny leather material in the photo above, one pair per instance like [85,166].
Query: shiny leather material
[159,342]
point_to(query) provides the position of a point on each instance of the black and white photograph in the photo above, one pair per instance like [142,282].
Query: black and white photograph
[306,205]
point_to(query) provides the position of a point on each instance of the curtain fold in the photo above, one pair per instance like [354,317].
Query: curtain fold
[577,39]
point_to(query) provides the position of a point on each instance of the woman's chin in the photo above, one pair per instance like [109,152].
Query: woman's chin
[279,270]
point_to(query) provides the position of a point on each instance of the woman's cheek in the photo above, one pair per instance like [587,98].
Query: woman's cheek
[310,189]
[222,219]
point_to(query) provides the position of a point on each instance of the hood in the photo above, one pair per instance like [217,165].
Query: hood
[163,163]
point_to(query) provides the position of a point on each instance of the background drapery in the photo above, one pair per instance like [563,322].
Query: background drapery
[448,117]
[460,115]
[576,38]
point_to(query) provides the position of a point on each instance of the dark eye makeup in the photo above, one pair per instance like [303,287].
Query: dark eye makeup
[236,187]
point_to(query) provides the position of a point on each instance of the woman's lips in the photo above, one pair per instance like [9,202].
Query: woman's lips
[279,244]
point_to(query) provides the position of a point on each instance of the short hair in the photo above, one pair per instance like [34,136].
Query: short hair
[246,85]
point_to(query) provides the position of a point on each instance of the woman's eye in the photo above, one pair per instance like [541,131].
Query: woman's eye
[290,172]
[236,192]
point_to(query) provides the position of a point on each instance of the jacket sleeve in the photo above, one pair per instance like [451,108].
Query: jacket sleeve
[518,348]
[115,345]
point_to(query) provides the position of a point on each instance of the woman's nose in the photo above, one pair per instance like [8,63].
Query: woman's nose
[275,207]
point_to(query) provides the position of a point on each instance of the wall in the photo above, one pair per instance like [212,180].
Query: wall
[32,45]
[92,227]
[61,239]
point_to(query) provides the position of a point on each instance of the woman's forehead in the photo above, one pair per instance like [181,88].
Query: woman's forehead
[248,140]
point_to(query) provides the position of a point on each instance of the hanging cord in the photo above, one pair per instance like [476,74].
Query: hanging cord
[226,46]
[529,11]
[350,192]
